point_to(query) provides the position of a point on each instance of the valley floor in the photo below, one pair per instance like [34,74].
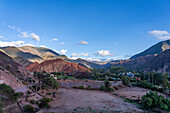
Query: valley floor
[80,101]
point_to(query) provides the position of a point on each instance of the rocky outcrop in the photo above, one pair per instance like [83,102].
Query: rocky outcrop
[57,65]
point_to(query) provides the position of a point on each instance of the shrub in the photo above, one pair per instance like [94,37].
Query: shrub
[107,89]
[115,87]
[32,101]
[7,92]
[89,87]
[43,103]
[102,88]
[148,85]
[48,93]
[65,78]
[81,87]
[28,109]
[152,100]
[8,67]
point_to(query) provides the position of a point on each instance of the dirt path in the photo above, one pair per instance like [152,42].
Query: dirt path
[70,100]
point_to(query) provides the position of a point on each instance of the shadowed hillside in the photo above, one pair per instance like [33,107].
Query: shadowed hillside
[11,72]
[155,49]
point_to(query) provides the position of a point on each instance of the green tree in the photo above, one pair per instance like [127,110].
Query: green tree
[125,80]
[165,82]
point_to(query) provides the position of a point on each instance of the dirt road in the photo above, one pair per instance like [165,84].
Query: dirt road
[78,101]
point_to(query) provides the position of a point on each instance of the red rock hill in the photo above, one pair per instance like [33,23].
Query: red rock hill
[57,65]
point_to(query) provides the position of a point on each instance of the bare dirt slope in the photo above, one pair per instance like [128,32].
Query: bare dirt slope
[70,99]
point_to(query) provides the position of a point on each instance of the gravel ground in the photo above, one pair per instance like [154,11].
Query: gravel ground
[70,100]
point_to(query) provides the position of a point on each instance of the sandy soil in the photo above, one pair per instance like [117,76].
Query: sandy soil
[69,100]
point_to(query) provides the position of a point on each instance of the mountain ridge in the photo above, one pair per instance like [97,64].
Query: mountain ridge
[155,49]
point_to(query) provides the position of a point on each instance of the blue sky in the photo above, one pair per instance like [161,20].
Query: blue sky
[93,29]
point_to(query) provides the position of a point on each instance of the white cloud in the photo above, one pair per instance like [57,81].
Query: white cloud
[63,51]
[91,59]
[43,46]
[29,35]
[160,34]
[103,53]
[55,39]
[74,58]
[23,35]
[83,42]
[15,43]
[29,44]
[88,59]
[34,36]
[79,54]
[12,27]
[12,43]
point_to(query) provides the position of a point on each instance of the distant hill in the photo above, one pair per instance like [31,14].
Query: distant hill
[155,63]
[45,53]
[159,63]
[22,61]
[26,54]
[86,63]
[134,64]
[15,52]
[11,73]
[33,54]
[57,65]
[155,49]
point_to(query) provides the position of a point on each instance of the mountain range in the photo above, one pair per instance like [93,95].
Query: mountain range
[155,49]
[155,58]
